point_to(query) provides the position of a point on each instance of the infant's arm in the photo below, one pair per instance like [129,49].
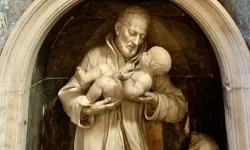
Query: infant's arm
[94,73]
[136,85]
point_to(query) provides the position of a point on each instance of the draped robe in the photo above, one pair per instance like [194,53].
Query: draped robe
[122,128]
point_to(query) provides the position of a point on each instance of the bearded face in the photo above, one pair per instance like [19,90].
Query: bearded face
[130,35]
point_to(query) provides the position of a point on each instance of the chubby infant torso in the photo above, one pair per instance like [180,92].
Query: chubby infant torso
[113,87]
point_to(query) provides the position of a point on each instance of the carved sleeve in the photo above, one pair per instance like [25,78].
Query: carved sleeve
[171,107]
[72,94]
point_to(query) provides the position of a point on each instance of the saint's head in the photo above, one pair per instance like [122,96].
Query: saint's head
[131,30]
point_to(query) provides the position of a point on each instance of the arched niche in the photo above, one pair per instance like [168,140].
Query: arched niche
[19,54]
[194,70]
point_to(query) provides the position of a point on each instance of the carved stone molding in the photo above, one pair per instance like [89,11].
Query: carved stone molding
[234,61]
[19,54]
[16,65]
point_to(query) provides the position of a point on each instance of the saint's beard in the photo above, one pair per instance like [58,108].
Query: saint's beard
[127,53]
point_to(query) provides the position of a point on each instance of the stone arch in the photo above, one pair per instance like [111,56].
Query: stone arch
[19,54]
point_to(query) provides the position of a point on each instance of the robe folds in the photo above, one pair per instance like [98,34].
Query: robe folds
[122,128]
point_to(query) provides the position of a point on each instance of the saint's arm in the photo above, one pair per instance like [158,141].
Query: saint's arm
[73,93]
[171,105]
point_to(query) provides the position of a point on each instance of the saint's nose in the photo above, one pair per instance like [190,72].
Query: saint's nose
[136,40]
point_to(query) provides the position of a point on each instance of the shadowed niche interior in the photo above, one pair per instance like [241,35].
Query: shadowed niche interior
[194,70]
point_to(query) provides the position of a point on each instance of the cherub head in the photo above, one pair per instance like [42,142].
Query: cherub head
[156,60]
[202,142]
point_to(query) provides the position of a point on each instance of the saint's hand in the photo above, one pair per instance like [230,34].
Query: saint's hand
[100,106]
[150,98]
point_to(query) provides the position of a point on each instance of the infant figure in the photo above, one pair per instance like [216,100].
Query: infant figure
[131,84]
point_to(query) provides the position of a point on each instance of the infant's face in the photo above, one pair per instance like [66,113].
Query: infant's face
[145,59]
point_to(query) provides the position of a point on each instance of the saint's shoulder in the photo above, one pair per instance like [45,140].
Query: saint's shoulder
[96,55]
[100,50]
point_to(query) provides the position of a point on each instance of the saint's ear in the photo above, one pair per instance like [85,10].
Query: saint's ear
[117,28]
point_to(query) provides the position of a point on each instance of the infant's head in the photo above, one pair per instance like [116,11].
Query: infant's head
[157,60]
[202,142]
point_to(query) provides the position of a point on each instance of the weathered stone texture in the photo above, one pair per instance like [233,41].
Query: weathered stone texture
[10,12]
[239,11]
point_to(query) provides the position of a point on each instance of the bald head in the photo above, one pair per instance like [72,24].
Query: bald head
[136,12]
[131,30]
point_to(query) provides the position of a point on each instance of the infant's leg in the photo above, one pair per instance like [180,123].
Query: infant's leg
[93,73]
[105,86]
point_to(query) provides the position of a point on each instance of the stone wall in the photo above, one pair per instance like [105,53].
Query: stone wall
[36,101]
[239,11]
[10,12]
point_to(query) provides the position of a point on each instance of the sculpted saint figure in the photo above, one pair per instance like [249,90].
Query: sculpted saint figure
[120,125]
[154,62]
